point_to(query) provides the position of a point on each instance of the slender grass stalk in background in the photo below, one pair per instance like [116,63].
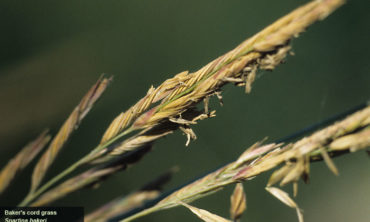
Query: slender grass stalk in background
[71,124]
[348,135]
[131,201]
[22,159]
[178,96]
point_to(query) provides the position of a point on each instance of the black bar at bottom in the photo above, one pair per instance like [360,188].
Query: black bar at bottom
[41,214]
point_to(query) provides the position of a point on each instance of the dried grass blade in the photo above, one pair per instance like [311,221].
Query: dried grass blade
[282,196]
[22,159]
[65,131]
[205,215]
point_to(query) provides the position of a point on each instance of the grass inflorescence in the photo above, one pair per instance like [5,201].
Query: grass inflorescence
[172,106]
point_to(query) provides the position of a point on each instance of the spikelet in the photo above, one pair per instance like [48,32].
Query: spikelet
[285,198]
[238,202]
[205,215]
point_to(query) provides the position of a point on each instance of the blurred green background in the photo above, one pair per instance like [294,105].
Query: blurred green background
[53,51]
